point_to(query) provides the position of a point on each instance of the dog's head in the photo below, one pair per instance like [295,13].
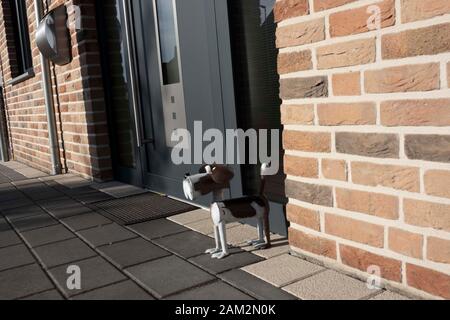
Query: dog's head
[210,179]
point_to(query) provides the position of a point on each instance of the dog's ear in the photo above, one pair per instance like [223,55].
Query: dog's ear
[222,174]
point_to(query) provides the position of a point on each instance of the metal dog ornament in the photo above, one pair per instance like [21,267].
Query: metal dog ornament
[235,210]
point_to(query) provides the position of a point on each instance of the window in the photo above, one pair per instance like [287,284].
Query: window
[22,51]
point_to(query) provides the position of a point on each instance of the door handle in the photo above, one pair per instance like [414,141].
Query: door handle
[131,48]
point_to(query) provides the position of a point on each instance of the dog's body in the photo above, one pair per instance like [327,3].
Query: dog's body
[216,179]
[235,210]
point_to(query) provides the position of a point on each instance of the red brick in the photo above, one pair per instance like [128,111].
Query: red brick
[409,78]
[380,205]
[301,167]
[301,33]
[320,5]
[414,10]
[355,21]
[438,250]
[355,230]
[335,169]
[303,217]
[347,84]
[338,114]
[362,260]
[297,114]
[437,183]
[286,9]
[310,243]
[416,113]
[433,282]
[427,214]
[406,243]
[307,141]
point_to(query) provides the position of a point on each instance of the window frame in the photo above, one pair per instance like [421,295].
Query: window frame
[19,21]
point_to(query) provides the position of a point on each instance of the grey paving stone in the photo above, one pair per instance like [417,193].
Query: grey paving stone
[390,296]
[59,253]
[12,194]
[4,225]
[132,252]
[65,208]
[255,287]
[191,217]
[34,222]
[93,197]
[8,238]
[23,212]
[187,244]
[16,256]
[95,273]
[237,259]
[330,285]
[16,203]
[105,235]
[52,295]
[158,229]
[43,236]
[85,221]
[126,290]
[283,270]
[213,292]
[168,276]
[120,190]
[21,282]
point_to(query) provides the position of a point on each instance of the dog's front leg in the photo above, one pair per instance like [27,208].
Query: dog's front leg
[216,237]
[260,241]
[223,241]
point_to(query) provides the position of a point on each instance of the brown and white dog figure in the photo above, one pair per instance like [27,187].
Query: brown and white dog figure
[213,179]
[235,210]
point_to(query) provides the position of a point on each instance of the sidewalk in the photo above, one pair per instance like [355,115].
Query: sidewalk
[49,223]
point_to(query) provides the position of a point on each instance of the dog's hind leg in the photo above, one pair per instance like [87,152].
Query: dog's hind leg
[223,242]
[217,238]
[260,240]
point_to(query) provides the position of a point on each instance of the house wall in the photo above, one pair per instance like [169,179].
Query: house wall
[78,99]
[367,137]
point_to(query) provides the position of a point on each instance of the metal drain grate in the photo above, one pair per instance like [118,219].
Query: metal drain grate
[142,208]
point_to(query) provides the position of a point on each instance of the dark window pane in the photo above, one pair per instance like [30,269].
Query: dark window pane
[19,24]
[168,42]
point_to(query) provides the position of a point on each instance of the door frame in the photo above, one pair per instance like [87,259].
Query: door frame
[225,116]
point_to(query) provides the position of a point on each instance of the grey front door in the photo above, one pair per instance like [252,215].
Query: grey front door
[184,69]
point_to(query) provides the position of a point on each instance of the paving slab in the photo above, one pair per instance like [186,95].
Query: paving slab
[167,276]
[4,225]
[237,259]
[34,222]
[93,197]
[85,221]
[390,296]
[157,229]
[65,208]
[23,212]
[280,246]
[191,217]
[215,291]
[15,203]
[132,252]
[9,193]
[9,238]
[187,244]
[126,290]
[283,270]
[16,256]
[63,252]
[21,282]
[72,181]
[330,285]
[43,236]
[254,286]
[52,295]
[95,273]
[105,235]
[121,190]
[241,234]
[205,227]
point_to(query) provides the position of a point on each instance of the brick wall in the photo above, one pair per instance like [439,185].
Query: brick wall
[78,99]
[367,136]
